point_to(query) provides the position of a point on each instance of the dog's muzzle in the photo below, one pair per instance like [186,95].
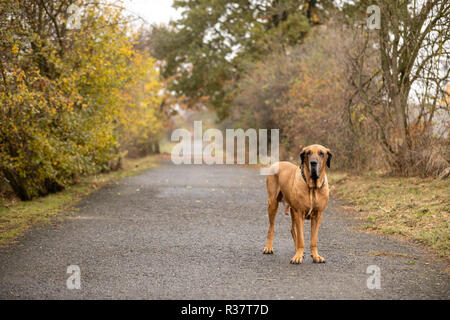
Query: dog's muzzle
[314,169]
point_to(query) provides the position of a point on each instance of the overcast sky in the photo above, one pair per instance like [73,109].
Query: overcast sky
[153,11]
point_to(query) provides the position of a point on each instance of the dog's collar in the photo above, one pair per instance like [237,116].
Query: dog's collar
[304,177]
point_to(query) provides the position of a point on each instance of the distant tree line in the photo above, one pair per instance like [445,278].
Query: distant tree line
[314,70]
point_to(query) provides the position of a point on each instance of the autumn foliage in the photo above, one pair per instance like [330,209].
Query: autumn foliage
[70,96]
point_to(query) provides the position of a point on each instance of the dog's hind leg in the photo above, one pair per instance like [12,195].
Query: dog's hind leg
[272,210]
[274,196]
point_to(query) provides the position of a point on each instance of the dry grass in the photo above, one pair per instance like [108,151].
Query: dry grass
[16,217]
[412,207]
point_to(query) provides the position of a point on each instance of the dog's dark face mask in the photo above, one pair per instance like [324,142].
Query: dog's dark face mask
[314,169]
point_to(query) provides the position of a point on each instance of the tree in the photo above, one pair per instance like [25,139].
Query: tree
[411,45]
[303,93]
[141,116]
[62,103]
[206,51]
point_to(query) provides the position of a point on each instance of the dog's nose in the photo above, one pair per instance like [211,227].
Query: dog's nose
[313,162]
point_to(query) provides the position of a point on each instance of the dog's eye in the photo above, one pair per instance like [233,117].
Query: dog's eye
[321,154]
[308,153]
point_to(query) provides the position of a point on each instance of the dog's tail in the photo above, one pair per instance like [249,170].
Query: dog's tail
[273,169]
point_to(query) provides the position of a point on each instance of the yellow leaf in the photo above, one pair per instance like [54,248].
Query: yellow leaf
[15,49]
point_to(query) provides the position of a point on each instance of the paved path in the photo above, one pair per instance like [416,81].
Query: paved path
[197,232]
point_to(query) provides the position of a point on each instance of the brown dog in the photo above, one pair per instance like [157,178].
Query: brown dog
[305,190]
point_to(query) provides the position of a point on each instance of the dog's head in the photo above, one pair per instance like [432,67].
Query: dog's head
[313,158]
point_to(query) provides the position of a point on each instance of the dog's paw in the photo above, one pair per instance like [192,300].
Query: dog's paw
[297,259]
[318,259]
[268,250]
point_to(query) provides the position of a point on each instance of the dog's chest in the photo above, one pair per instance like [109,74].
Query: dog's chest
[302,202]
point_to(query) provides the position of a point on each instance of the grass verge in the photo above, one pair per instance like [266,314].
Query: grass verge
[16,217]
[415,208]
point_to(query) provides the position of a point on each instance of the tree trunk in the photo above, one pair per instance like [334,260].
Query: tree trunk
[17,185]
[156,147]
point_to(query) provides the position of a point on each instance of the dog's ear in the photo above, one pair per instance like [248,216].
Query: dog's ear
[302,156]
[329,156]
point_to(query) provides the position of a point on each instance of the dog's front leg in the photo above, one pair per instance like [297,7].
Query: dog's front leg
[315,224]
[297,234]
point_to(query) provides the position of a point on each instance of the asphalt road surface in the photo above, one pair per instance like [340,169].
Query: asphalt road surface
[198,232]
